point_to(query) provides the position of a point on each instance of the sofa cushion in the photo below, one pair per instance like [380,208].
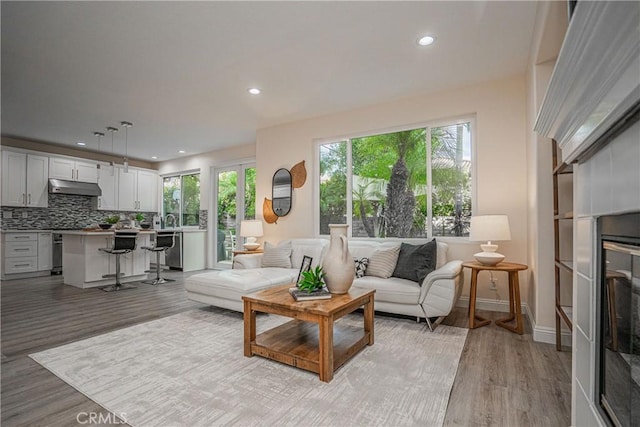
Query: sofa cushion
[395,290]
[276,256]
[415,262]
[232,284]
[383,261]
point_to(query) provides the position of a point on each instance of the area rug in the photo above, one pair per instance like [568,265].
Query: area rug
[189,370]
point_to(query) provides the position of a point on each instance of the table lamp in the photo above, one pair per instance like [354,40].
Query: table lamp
[251,229]
[489,228]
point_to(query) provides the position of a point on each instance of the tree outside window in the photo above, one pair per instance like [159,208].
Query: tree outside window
[396,191]
[181,198]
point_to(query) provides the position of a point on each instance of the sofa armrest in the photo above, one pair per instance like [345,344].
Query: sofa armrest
[448,273]
[245,261]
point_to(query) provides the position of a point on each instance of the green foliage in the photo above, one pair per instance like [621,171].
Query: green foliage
[139,217]
[181,197]
[312,280]
[398,161]
[112,219]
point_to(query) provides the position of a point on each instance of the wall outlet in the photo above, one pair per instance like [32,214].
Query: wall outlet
[7,214]
[25,215]
[493,284]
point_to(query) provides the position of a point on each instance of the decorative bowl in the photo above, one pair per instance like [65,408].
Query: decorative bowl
[145,225]
[104,226]
[488,258]
[251,246]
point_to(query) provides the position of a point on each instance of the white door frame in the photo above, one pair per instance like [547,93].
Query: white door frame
[240,168]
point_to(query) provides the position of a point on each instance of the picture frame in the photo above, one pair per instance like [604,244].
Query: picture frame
[306,266]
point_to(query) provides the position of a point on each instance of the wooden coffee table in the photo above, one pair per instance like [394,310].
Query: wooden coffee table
[299,343]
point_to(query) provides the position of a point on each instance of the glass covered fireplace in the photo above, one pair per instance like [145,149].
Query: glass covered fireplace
[618,320]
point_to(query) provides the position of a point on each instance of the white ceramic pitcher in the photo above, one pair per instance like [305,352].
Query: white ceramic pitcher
[338,265]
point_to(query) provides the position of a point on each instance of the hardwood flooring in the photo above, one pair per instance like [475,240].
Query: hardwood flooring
[504,379]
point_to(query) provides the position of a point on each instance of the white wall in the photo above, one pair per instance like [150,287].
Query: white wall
[551,24]
[204,162]
[501,167]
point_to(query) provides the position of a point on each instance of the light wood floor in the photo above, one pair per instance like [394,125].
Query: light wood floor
[503,379]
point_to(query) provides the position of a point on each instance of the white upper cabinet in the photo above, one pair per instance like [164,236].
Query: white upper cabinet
[137,190]
[147,187]
[24,179]
[73,170]
[108,183]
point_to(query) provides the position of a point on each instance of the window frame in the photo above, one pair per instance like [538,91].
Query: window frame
[181,175]
[471,119]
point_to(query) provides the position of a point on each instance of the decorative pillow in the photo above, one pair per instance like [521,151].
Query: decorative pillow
[415,262]
[361,266]
[382,262]
[276,256]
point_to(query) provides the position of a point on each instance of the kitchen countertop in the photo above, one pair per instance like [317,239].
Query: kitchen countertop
[27,231]
[185,230]
[99,233]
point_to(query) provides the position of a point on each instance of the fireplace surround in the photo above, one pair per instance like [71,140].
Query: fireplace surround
[617,362]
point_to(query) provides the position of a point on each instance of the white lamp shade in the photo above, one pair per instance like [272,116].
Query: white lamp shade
[251,228]
[486,228]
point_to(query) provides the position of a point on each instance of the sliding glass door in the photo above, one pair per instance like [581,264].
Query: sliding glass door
[235,195]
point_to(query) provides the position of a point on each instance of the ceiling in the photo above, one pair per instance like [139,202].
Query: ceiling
[180,70]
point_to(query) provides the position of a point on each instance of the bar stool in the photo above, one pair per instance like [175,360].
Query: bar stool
[124,242]
[164,240]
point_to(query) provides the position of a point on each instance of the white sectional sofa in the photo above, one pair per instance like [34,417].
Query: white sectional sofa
[434,299]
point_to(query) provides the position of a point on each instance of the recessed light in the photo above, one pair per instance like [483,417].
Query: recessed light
[181,151]
[81,143]
[254,91]
[426,40]
[154,157]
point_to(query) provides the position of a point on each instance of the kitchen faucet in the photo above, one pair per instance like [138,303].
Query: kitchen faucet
[173,220]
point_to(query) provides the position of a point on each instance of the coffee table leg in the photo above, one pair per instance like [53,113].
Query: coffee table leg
[368,319]
[326,349]
[249,328]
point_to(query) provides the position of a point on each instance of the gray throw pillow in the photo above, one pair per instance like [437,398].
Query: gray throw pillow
[415,262]
[276,256]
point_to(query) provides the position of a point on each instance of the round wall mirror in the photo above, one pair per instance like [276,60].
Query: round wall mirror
[281,192]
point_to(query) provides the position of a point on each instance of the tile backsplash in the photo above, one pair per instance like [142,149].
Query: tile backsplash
[64,211]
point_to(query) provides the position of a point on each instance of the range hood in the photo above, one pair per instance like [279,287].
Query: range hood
[60,186]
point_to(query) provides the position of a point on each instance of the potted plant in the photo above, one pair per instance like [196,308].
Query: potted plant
[312,280]
[109,222]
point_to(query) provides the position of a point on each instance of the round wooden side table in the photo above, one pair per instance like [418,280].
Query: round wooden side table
[515,307]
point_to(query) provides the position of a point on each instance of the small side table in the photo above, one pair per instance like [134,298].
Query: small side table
[515,308]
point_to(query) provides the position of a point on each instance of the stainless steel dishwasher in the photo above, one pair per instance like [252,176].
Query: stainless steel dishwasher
[173,257]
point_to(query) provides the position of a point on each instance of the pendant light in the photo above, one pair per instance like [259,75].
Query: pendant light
[99,135]
[112,130]
[126,126]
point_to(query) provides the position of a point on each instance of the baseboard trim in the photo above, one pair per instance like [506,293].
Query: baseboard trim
[541,334]
[489,304]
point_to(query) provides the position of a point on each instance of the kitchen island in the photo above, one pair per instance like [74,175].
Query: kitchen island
[84,264]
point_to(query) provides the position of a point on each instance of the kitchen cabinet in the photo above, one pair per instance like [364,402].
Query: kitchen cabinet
[25,254]
[85,264]
[137,190]
[25,179]
[45,251]
[73,169]
[108,183]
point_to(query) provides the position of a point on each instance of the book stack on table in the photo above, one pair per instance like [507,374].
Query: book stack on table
[300,295]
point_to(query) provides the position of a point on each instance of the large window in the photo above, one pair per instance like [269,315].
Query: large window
[398,185]
[181,198]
